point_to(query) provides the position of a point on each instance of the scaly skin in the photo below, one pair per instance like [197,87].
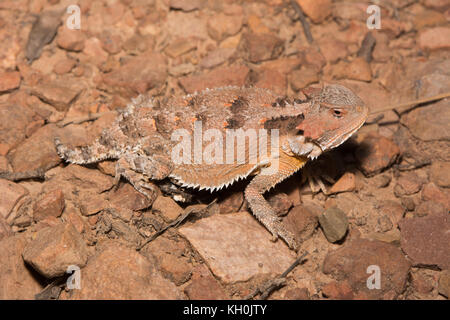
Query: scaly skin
[142,139]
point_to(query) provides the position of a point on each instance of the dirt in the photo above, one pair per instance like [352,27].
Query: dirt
[389,182]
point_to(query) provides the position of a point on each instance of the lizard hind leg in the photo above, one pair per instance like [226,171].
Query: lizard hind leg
[87,154]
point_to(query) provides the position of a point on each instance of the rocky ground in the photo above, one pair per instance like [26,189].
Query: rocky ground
[389,205]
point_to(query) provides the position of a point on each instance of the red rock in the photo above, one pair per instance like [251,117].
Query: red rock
[444,283]
[54,249]
[432,192]
[15,118]
[425,240]
[222,76]
[138,75]
[18,281]
[64,66]
[440,173]
[71,40]
[317,10]
[429,208]
[204,286]
[236,247]
[313,58]
[284,65]
[9,80]
[94,51]
[302,221]
[129,198]
[297,294]
[111,43]
[420,283]
[92,203]
[338,290]
[221,26]
[392,209]
[351,262]
[258,47]
[216,57]
[169,209]
[430,122]
[36,152]
[428,18]
[408,184]
[434,38]
[333,49]
[50,205]
[272,80]
[376,153]
[11,194]
[256,25]
[300,79]
[118,272]
[346,183]
[56,94]
[358,69]
[280,202]
[436,4]
[180,46]
[231,203]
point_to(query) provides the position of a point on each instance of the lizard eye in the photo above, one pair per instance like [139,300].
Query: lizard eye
[337,113]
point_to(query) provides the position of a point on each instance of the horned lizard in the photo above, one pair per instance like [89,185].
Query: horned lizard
[146,134]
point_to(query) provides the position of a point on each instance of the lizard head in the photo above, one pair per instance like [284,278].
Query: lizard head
[335,113]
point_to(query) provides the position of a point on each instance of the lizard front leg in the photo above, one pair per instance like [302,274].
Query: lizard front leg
[261,209]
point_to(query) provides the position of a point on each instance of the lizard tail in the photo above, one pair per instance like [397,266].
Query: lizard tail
[82,155]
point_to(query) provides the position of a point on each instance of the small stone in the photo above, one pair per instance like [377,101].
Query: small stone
[138,75]
[432,192]
[129,198]
[9,80]
[107,167]
[169,209]
[180,47]
[429,123]
[408,203]
[15,119]
[376,153]
[258,47]
[444,283]
[216,57]
[421,284]
[221,26]
[94,51]
[281,203]
[440,173]
[18,281]
[219,77]
[351,262]
[384,223]
[317,10]
[358,69]
[297,294]
[381,180]
[334,224]
[111,43]
[56,94]
[71,40]
[429,208]
[49,205]
[284,65]
[302,221]
[232,203]
[338,290]
[300,79]
[434,38]
[237,247]
[407,184]
[204,286]
[346,183]
[392,236]
[54,249]
[181,69]
[11,194]
[118,272]
[425,240]
[92,203]
[392,209]
[333,50]
[38,151]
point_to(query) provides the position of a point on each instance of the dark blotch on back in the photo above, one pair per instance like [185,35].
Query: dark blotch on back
[238,104]
[284,123]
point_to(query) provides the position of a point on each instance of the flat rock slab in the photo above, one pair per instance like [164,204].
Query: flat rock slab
[426,240]
[237,247]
